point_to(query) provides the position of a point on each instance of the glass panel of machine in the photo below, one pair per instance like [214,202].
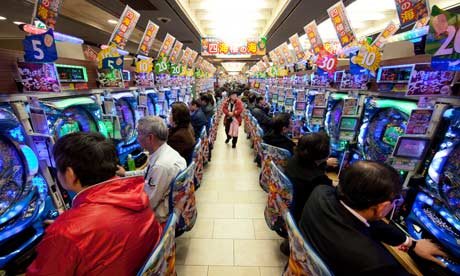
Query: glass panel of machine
[300,106]
[318,112]
[409,147]
[348,123]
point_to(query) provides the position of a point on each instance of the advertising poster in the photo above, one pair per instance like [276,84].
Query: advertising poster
[148,38]
[298,49]
[410,11]
[341,23]
[166,47]
[211,46]
[124,28]
[419,121]
[427,81]
[47,12]
[390,30]
[313,36]
[39,77]
[174,57]
[350,107]
[185,56]
[354,81]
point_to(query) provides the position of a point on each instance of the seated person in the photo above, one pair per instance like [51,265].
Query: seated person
[251,102]
[96,236]
[181,134]
[164,164]
[207,106]
[345,225]
[198,118]
[277,135]
[260,112]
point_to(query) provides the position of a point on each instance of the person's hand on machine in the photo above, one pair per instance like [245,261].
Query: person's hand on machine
[332,162]
[121,171]
[428,250]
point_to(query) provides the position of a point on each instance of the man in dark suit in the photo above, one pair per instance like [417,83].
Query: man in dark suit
[345,225]
[198,118]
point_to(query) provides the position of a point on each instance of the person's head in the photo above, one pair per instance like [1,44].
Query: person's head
[260,101]
[180,115]
[233,96]
[252,98]
[313,148]
[281,123]
[84,159]
[204,99]
[195,105]
[152,132]
[370,188]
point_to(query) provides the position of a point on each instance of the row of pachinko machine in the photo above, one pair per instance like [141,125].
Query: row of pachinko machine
[418,136]
[29,126]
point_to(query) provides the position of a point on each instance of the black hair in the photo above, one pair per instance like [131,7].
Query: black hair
[252,97]
[281,120]
[367,183]
[204,98]
[195,102]
[180,114]
[258,99]
[312,147]
[233,92]
[92,157]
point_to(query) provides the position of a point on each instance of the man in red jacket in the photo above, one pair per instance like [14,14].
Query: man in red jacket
[110,229]
[232,108]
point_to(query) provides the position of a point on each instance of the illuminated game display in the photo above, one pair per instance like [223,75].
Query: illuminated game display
[316,110]
[384,122]
[436,210]
[333,117]
[23,194]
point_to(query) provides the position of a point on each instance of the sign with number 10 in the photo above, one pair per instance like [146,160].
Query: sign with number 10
[368,57]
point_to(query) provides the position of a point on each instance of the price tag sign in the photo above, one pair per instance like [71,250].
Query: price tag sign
[443,40]
[110,51]
[161,66]
[327,62]
[368,57]
[176,69]
[112,63]
[40,48]
[144,66]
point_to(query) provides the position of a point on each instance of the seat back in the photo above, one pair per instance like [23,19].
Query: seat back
[280,197]
[259,133]
[204,145]
[182,199]
[196,157]
[270,153]
[303,260]
[163,258]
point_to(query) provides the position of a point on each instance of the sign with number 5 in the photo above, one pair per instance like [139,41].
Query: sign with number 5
[40,48]
[327,63]
[443,40]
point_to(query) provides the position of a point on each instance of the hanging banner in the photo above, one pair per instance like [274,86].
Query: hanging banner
[192,58]
[144,65]
[47,12]
[327,62]
[173,58]
[266,61]
[409,11]
[298,49]
[110,51]
[187,53]
[125,27]
[443,40]
[313,36]
[273,58]
[199,62]
[390,30]
[215,46]
[148,38]
[421,23]
[368,57]
[281,58]
[290,58]
[89,53]
[166,46]
[161,66]
[341,23]
[175,69]
[40,48]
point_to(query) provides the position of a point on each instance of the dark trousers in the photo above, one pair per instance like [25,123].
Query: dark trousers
[227,130]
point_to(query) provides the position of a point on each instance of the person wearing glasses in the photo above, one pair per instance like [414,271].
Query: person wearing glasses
[344,224]
[164,164]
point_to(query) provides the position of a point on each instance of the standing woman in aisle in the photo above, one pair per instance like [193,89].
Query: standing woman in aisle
[232,108]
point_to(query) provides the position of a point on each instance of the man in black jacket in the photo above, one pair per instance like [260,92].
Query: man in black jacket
[344,225]
[277,136]
[260,112]
[198,118]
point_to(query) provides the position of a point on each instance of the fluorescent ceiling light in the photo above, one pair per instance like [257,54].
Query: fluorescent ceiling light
[2,18]
[111,21]
[18,22]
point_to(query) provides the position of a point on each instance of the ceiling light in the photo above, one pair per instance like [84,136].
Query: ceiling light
[111,21]
[18,22]
[2,18]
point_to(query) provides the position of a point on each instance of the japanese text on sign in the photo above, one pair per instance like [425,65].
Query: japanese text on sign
[125,27]
[313,36]
[215,46]
[166,46]
[147,39]
[273,58]
[47,11]
[185,56]
[175,52]
[192,58]
[342,26]
[409,11]
[298,49]
[390,30]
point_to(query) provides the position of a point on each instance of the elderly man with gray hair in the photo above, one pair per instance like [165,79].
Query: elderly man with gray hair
[164,164]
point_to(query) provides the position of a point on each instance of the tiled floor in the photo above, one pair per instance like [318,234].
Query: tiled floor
[230,236]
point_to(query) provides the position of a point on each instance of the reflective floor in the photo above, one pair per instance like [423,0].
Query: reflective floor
[230,236]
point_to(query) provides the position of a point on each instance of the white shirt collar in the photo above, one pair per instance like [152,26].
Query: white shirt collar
[154,156]
[354,213]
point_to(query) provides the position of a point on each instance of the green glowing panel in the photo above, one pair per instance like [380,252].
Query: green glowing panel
[402,106]
[72,101]
[391,134]
[68,128]
[103,129]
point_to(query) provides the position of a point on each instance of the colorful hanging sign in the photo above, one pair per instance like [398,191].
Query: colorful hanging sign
[175,69]
[266,61]
[313,36]
[173,58]
[281,58]
[421,23]
[274,58]
[110,51]
[166,46]
[113,63]
[186,54]
[327,62]
[39,77]
[215,46]
[368,57]
[290,58]
[409,11]
[89,53]
[341,23]
[144,65]
[298,49]
[425,80]
[125,27]
[40,48]
[390,30]
[47,12]
[161,66]
[443,40]
[192,59]
[148,38]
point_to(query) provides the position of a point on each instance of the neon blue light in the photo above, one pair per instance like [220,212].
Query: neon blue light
[17,134]
[68,38]
[31,158]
